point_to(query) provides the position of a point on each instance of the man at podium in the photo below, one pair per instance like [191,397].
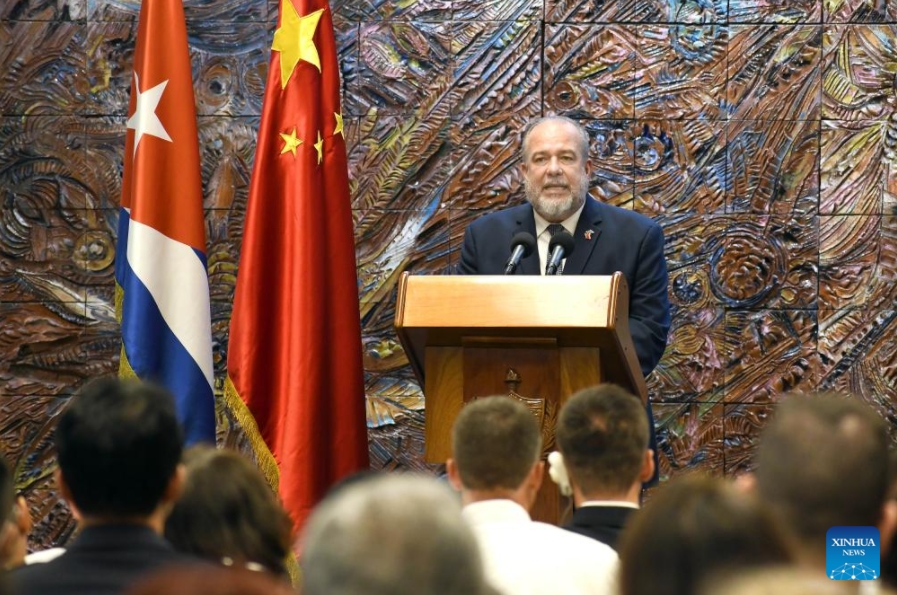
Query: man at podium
[605,239]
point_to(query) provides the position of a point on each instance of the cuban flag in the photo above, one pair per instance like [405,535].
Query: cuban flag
[162,286]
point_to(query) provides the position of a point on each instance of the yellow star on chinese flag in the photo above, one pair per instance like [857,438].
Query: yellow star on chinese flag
[339,124]
[319,147]
[291,143]
[294,39]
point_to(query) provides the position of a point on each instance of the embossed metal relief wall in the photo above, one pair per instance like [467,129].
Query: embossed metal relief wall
[761,134]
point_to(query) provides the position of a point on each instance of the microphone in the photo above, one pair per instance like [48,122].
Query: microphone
[559,247]
[522,245]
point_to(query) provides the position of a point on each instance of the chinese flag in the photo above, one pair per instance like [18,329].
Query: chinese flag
[295,377]
[162,287]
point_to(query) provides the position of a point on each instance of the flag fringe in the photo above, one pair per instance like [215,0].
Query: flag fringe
[263,456]
[265,460]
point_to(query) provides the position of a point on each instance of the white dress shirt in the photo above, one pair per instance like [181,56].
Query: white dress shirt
[525,557]
[543,237]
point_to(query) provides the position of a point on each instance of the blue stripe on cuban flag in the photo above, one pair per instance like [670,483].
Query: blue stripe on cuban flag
[166,322]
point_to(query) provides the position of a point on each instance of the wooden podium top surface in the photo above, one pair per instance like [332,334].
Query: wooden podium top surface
[487,301]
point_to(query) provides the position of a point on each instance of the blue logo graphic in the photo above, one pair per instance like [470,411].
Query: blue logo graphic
[852,554]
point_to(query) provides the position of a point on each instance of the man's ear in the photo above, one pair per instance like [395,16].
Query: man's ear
[746,482]
[454,476]
[647,471]
[23,516]
[887,525]
[175,484]
[66,493]
[536,475]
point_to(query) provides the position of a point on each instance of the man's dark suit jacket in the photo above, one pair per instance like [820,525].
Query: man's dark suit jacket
[103,560]
[603,523]
[620,240]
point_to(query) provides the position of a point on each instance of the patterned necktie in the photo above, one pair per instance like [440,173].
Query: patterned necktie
[553,230]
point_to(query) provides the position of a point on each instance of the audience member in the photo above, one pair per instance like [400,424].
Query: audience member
[391,535]
[889,558]
[496,447]
[210,580]
[776,581]
[695,527]
[602,435]
[822,461]
[15,525]
[228,512]
[119,446]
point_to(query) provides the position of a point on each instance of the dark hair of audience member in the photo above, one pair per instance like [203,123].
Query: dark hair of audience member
[889,558]
[118,445]
[784,580]
[7,490]
[228,510]
[822,461]
[495,443]
[209,580]
[695,527]
[602,432]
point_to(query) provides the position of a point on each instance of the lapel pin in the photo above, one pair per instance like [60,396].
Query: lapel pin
[588,234]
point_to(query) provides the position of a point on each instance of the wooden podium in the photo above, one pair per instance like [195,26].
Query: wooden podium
[536,339]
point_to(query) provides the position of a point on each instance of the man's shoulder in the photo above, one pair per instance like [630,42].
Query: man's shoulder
[78,571]
[569,541]
[502,216]
[617,215]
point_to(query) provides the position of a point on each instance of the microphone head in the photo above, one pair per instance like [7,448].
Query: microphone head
[526,240]
[563,239]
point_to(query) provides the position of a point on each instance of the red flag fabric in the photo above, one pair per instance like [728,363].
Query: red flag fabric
[295,376]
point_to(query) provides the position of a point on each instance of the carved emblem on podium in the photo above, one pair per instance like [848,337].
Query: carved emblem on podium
[544,410]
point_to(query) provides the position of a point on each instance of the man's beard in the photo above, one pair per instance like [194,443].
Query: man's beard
[556,210]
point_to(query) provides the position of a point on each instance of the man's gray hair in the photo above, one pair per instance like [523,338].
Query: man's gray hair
[532,124]
[392,535]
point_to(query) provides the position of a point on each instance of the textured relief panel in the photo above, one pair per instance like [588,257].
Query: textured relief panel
[496,89]
[774,72]
[229,61]
[689,437]
[692,368]
[775,11]
[860,11]
[389,10]
[590,70]
[858,166]
[858,262]
[612,153]
[497,10]
[640,11]
[767,262]
[497,70]
[681,72]
[771,352]
[42,67]
[860,356]
[230,64]
[679,166]
[773,166]
[742,424]
[56,254]
[857,72]
[194,10]
[402,67]
[227,146]
[43,10]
